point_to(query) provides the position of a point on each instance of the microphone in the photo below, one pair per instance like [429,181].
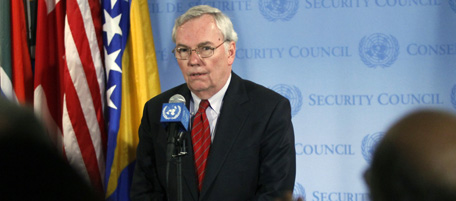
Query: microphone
[175,112]
[175,118]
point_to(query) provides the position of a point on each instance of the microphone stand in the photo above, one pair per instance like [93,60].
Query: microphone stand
[181,151]
[170,149]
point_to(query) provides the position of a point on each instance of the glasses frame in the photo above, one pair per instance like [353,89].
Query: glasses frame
[191,51]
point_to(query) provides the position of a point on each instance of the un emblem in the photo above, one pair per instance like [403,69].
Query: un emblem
[274,10]
[452,5]
[453,97]
[369,144]
[299,192]
[171,112]
[378,50]
[293,94]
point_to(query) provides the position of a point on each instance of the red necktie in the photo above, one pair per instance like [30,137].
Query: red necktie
[201,138]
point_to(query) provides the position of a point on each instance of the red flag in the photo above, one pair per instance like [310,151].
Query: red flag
[22,76]
[69,82]
[49,65]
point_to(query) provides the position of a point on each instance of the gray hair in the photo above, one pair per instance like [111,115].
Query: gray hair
[222,21]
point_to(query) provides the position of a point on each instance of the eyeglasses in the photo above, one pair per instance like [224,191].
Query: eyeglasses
[183,53]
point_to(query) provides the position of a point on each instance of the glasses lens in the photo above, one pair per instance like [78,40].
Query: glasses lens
[181,53]
[205,51]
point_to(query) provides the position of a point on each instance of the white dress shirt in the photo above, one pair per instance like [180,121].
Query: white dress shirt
[213,111]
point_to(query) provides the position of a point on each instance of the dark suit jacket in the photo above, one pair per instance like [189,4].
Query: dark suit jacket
[252,156]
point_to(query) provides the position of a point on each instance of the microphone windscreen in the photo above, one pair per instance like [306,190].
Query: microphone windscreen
[177,98]
[175,112]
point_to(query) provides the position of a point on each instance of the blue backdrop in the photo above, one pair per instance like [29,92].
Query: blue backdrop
[350,68]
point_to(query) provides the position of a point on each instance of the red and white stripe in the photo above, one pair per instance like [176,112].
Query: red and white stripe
[82,83]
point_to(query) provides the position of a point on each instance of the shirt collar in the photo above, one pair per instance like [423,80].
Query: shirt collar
[215,101]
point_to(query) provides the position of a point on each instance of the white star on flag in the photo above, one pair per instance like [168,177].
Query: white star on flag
[111,26]
[108,95]
[111,62]
[113,3]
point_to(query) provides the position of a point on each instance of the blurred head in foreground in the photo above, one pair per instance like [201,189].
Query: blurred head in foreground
[416,160]
[31,168]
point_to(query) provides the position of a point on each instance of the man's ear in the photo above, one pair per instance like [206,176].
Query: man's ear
[231,52]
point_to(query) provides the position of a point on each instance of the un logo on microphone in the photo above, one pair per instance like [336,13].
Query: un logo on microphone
[171,112]
[378,50]
[274,10]
[369,144]
[293,94]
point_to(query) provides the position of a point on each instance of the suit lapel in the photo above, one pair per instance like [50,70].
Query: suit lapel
[229,124]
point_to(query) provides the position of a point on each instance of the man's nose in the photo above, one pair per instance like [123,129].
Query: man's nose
[194,57]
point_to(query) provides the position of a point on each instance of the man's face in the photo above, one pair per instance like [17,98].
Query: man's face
[204,76]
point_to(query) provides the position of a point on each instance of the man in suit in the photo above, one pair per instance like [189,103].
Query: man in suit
[251,154]
[416,160]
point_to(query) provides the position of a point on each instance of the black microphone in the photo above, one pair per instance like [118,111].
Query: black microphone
[175,118]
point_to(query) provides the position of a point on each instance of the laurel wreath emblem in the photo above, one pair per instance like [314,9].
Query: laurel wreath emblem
[391,58]
[369,144]
[288,13]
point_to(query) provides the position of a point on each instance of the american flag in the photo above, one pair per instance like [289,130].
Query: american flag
[70,82]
